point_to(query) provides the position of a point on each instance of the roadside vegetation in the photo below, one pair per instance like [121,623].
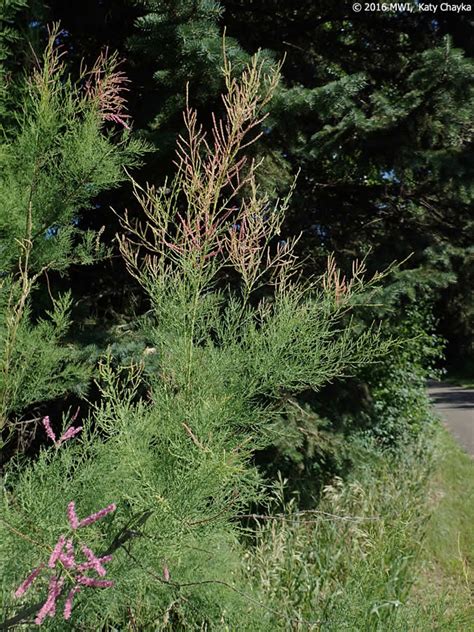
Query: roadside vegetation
[213,414]
[390,548]
[448,550]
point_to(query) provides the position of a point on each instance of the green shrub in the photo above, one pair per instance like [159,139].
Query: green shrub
[386,400]
[398,404]
[56,157]
[172,439]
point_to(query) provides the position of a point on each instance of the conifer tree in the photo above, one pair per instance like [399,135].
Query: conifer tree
[9,38]
[376,113]
[374,109]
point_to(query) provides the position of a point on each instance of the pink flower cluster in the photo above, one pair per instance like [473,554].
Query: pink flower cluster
[63,553]
[68,434]
[107,85]
[85,522]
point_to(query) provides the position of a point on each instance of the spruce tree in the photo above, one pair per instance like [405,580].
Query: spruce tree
[376,113]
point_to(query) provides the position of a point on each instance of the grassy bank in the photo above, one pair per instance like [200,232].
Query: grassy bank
[448,551]
[391,549]
[465,381]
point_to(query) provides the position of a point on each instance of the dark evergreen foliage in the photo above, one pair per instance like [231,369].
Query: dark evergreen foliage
[375,111]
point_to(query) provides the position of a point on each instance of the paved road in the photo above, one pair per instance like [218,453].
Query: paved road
[455,406]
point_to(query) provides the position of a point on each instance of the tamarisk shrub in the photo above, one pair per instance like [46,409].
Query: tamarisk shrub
[56,157]
[63,558]
[178,461]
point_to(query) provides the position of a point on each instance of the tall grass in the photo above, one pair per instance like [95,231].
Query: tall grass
[351,563]
[448,552]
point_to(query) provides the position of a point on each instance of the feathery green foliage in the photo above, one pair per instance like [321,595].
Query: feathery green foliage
[54,161]
[174,448]
[235,369]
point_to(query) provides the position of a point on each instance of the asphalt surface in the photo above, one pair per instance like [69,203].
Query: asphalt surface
[455,406]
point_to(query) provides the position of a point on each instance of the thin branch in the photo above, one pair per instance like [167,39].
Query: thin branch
[220,582]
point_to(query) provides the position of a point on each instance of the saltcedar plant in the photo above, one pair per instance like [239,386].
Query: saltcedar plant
[55,159]
[175,442]
[64,571]
[212,217]
[67,575]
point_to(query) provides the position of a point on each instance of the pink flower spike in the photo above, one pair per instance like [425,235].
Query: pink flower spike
[42,614]
[67,561]
[69,547]
[98,515]
[49,606]
[69,599]
[85,566]
[49,430]
[67,558]
[20,591]
[72,516]
[94,583]
[116,119]
[94,561]
[58,549]
[69,434]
